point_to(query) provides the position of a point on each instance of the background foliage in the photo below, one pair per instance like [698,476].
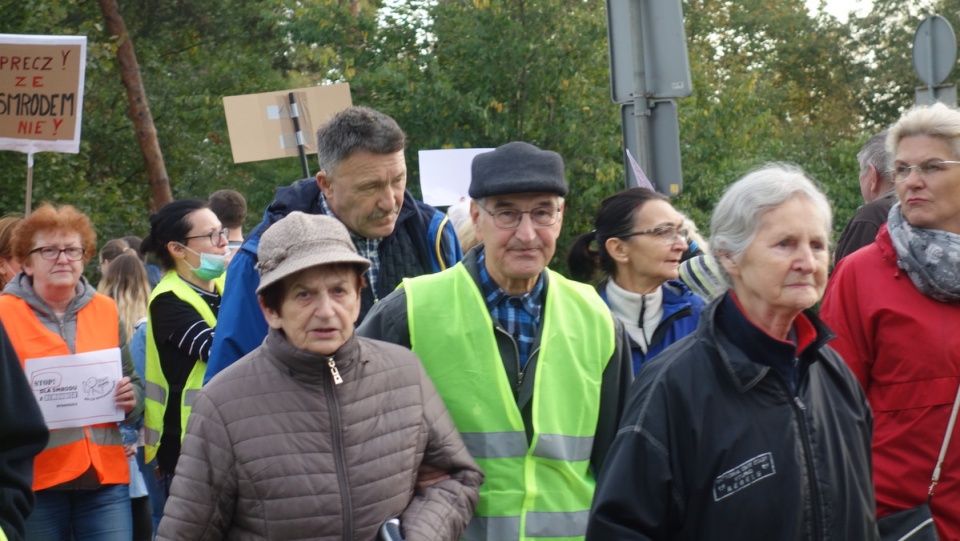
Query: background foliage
[772,82]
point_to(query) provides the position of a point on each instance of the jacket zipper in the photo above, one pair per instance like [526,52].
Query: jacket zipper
[338,455]
[337,380]
[516,357]
[808,452]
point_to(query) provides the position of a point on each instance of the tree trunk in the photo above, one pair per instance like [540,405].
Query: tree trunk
[138,109]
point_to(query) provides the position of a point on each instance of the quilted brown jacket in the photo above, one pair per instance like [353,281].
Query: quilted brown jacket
[275,450]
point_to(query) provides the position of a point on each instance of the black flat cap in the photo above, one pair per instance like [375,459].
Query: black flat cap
[517,168]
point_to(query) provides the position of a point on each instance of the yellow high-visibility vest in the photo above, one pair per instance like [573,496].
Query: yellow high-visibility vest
[541,489]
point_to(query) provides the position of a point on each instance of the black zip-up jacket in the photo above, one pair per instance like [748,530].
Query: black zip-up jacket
[714,444]
[23,435]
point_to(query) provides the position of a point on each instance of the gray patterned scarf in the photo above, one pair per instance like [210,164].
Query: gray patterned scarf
[930,257]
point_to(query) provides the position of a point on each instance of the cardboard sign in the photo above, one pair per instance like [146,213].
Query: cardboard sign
[41,92]
[261,125]
[445,174]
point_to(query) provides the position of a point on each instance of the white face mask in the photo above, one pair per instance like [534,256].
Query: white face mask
[234,245]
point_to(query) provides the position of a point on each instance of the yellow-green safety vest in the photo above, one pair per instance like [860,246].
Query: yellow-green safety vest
[542,489]
[157,390]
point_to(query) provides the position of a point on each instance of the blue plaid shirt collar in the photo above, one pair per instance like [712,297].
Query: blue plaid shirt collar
[517,314]
[368,248]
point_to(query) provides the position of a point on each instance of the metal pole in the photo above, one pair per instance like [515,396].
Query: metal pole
[931,81]
[295,115]
[641,109]
[26,212]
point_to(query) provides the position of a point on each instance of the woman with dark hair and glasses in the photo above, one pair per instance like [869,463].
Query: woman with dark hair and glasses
[640,239]
[50,310]
[191,246]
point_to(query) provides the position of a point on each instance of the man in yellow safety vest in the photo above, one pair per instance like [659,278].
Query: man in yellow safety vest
[532,367]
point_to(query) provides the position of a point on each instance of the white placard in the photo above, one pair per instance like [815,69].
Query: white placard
[77,390]
[445,174]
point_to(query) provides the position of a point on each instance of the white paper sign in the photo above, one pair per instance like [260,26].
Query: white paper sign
[77,390]
[445,174]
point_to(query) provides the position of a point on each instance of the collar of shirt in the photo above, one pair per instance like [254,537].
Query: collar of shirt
[367,248]
[494,296]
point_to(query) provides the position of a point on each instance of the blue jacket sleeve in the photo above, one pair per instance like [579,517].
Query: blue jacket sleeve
[240,323]
[445,253]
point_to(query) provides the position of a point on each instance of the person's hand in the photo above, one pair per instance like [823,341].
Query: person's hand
[427,476]
[126,398]
[130,449]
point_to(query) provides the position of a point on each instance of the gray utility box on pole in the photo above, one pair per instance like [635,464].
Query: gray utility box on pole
[648,59]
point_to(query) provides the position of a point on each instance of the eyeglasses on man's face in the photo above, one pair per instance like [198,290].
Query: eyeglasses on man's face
[511,218]
[215,237]
[665,234]
[901,172]
[52,253]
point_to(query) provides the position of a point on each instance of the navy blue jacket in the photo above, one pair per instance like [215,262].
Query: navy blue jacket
[411,250]
[681,313]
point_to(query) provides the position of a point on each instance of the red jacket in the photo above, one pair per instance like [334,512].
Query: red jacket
[904,348]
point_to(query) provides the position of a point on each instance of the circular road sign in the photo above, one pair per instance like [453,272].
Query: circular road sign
[934,50]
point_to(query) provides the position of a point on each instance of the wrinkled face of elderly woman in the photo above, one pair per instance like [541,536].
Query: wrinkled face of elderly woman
[784,270]
[318,308]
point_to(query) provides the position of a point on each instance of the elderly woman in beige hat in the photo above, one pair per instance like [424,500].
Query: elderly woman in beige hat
[317,433]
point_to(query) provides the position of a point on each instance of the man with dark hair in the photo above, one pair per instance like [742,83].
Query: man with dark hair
[231,209]
[532,367]
[877,188]
[362,182]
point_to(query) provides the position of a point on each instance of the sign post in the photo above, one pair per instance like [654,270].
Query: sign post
[41,96]
[934,54]
[648,61]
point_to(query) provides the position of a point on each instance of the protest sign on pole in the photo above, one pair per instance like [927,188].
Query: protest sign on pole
[41,95]
[262,126]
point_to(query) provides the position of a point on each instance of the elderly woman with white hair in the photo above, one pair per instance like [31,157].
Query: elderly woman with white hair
[895,306]
[751,427]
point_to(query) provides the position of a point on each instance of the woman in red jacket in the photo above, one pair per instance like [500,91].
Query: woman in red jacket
[895,307]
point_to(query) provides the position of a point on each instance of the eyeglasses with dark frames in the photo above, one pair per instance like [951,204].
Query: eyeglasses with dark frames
[219,235]
[52,253]
[511,218]
[666,234]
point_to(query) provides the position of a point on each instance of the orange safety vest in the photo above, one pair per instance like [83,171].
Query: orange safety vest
[71,451]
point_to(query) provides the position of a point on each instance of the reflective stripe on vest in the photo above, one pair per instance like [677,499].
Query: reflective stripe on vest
[157,388]
[189,395]
[532,490]
[539,524]
[71,451]
[514,444]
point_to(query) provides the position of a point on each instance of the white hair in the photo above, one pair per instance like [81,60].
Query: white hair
[737,216]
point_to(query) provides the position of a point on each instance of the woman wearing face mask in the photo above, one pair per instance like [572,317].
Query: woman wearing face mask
[191,245]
